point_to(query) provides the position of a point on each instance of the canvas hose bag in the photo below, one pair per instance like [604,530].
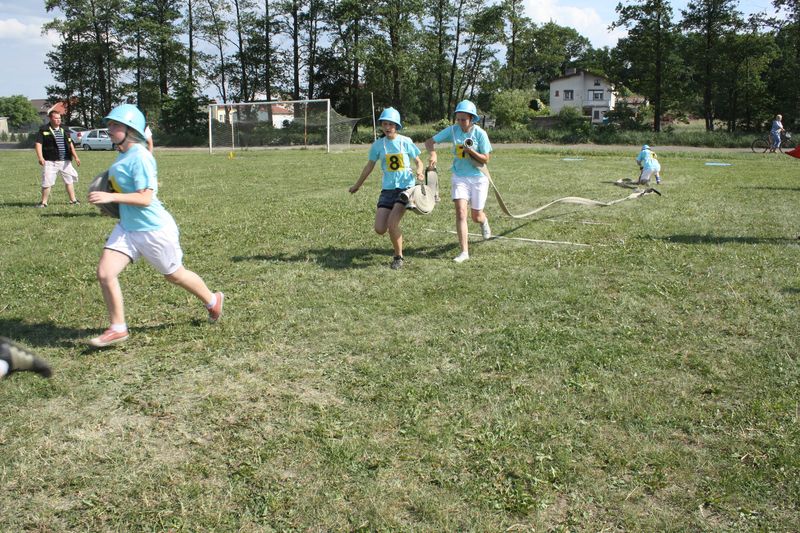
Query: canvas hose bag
[423,198]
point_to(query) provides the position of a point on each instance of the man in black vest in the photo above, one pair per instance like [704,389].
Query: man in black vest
[55,151]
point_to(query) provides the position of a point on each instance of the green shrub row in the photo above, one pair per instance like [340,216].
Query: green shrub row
[578,134]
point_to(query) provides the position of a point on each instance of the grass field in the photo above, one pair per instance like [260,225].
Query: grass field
[645,382]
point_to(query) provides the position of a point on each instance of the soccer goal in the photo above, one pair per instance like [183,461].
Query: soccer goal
[280,123]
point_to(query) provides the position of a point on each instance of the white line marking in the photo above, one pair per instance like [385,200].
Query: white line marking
[533,241]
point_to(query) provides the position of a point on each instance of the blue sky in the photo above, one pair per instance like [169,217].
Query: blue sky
[23,70]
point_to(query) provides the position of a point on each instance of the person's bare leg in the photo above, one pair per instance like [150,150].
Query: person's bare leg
[108,270]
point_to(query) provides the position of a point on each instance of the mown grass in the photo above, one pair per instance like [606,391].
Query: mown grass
[648,381]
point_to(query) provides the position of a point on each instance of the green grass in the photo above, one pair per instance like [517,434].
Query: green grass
[647,382]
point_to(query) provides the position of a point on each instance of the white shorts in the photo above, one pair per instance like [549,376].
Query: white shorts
[474,190]
[161,248]
[51,170]
[646,174]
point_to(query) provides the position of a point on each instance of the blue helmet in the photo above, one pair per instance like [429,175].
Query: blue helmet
[392,115]
[646,147]
[465,106]
[129,115]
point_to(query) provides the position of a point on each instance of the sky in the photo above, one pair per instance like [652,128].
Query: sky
[24,48]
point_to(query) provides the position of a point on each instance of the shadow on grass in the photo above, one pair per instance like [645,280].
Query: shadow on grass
[348,258]
[72,215]
[18,204]
[39,334]
[44,334]
[714,239]
[792,290]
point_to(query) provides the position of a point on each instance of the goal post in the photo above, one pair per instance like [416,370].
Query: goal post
[277,124]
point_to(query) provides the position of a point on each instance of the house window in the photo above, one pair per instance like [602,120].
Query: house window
[596,95]
[596,115]
[597,83]
[569,94]
[556,93]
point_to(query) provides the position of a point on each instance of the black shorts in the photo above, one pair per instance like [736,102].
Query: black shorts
[389,197]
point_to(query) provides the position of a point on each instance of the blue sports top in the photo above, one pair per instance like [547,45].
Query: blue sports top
[396,156]
[133,171]
[462,165]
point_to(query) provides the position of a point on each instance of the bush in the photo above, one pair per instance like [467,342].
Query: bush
[512,107]
[26,141]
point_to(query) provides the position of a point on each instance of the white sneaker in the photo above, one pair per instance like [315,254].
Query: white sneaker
[485,229]
[460,258]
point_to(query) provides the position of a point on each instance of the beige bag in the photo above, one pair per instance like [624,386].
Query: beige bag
[100,183]
[421,199]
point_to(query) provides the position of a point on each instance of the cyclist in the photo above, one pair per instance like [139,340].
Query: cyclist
[775,133]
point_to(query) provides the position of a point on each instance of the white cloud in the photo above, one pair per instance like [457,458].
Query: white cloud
[585,20]
[29,33]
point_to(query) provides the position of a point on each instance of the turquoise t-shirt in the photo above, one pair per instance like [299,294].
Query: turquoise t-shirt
[648,160]
[396,157]
[462,165]
[133,171]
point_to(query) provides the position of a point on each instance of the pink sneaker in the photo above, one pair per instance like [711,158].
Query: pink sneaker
[108,338]
[214,313]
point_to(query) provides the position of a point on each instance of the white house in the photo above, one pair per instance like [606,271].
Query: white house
[591,93]
[281,114]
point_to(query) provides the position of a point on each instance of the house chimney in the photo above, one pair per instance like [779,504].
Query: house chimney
[569,71]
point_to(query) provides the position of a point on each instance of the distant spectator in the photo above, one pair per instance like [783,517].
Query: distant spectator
[148,136]
[775,133]
[55,151]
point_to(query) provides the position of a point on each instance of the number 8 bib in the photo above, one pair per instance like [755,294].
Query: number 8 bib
[395,162]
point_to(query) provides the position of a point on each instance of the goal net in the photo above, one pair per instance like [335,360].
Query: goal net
[280,123]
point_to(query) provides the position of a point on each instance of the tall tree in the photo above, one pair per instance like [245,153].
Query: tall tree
[485,26]
[214,30]
[351,21]
[459,26]
[783,82]
[516,23]
[151,29]
[548,50]
[395,22]
[242,17]
[92,57]
[436,42]
[709,21]
[742,98]
[313,23]
[649,46]
[291,26]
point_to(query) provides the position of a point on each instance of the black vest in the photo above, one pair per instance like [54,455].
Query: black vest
[46,138]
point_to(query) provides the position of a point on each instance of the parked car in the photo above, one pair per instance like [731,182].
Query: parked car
[76,133]
[96,140]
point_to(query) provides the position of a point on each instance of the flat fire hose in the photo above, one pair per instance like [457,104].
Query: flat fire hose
[566,200]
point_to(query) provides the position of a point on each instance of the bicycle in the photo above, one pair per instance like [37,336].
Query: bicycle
[763,145]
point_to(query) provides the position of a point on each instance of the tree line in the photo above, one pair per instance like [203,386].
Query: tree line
[420,57]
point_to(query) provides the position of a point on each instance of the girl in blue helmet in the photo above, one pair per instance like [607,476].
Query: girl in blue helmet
[649,166]
[145,229]
[471,149]
[395,152]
